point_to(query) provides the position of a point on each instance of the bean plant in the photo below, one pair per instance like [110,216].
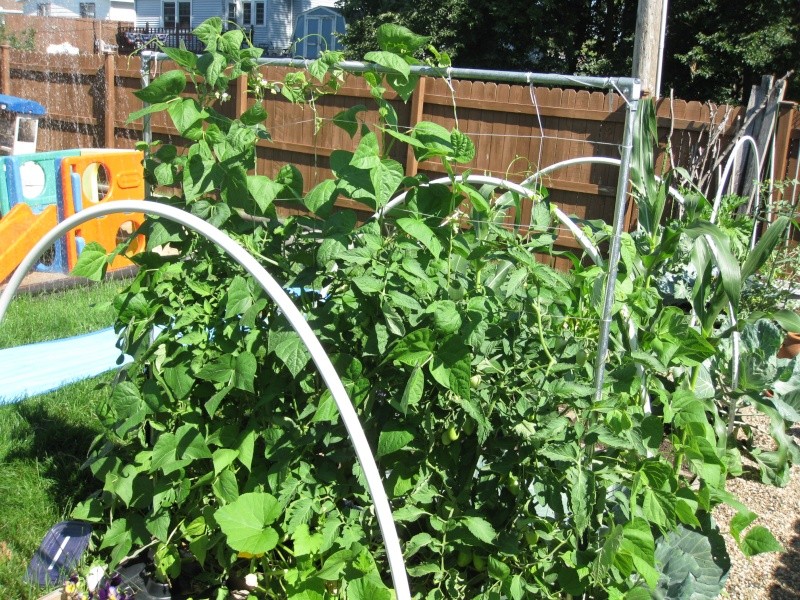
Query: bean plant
[468,361]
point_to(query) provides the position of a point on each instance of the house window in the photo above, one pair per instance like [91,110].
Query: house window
[178,14]
[87,10]
[232,11]
[43,10]
[254,13]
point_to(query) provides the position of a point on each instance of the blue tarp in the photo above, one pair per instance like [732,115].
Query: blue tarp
[21,106]
[38,368]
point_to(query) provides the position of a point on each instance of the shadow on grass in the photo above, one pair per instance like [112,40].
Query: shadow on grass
[787,574]
[58,446]
[43,442]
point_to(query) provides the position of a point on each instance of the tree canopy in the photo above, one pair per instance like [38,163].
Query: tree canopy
[714,50]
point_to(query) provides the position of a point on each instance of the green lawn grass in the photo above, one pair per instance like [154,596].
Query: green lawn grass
[44,440]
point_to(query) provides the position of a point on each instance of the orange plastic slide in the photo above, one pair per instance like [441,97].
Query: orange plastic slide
[20,229]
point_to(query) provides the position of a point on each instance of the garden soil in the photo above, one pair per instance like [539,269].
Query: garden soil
[773,576]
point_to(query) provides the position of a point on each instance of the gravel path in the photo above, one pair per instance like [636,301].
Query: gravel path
[773,576]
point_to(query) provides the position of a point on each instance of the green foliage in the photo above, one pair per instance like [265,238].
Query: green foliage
[712,53]
[18,40]
[720,54]
[691,567]
[466,359]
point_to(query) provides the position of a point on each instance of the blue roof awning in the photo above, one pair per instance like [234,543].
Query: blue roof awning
[21,106]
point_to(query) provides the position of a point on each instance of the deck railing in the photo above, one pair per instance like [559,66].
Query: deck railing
[131,39]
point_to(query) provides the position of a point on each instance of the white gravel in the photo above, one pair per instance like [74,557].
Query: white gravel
[773,576]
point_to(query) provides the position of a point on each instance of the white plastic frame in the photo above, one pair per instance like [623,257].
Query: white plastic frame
[364,455]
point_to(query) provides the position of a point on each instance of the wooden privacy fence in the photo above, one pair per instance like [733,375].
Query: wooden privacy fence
[516,128]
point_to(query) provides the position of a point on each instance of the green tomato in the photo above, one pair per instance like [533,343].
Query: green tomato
[475,381]
[478,563]
[531,536]
[512,484]
[469,426]
[452,433]
[580,357]
[446,439]
[464,558]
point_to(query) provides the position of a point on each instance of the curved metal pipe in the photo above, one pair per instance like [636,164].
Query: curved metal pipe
[583,240]
[600,160]
[723,180]
[364,455]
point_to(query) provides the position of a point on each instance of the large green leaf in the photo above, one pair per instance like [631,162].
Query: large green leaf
[164,87]
[392,62]
[392,440]
[758,541]
[386,177]
[417,229]
[92,262]
[188,118]
[400,40]
[246,522]
[765,246]
[688,568]
[480,528]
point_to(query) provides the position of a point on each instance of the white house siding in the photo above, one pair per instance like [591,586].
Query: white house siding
[114,10]
[121,10]
[202,10]
[278,33]
[60,9]
[148,13]
[280,23]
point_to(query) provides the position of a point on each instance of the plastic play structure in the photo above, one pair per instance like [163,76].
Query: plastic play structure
[39,190]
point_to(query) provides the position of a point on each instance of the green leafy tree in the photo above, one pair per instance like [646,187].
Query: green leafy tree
[449,24]
[712,52]
[716,52]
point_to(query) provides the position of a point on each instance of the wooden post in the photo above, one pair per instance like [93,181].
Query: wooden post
[764,102]
[417,110]
[110,116]
[241,95]
[646,43]
[5,69]
[783,142]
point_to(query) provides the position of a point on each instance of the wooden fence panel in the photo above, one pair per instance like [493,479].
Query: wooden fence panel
[68,87]
[516,128]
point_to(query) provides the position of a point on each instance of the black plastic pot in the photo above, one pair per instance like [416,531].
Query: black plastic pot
[144,587]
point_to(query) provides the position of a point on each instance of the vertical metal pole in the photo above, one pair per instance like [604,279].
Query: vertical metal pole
[616,240]
[147,132]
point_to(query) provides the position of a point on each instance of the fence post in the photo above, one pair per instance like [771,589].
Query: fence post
[417,111]
[783,130]
[5,69]
[110,111]
[241,95]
